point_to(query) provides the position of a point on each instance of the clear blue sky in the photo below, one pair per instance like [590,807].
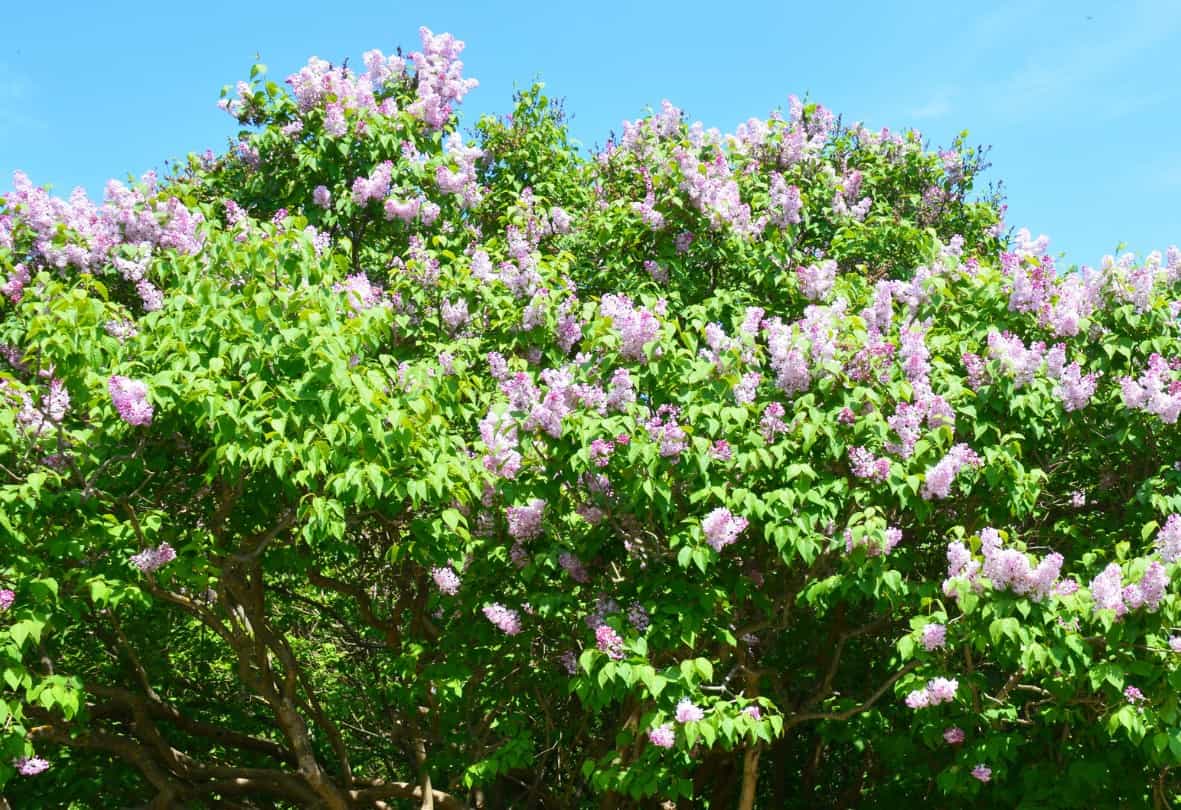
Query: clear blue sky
[1080,100]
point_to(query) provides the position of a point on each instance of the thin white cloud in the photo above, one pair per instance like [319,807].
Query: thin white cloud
[936,106]
[16,93]
[1066,70]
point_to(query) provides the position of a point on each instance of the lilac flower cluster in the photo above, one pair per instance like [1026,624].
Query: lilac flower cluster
[462,180]
[524,522]
[712,190]
[1155,391]
[874,547]
[375,187]
[360,293]
[506,619]
[938,479]
[937,691]
[151,559]
[1005,568]
[446,580]
[722,527]
[498,431]
[688,711]
[136,218]
[31,766]
[843,197]
[662,736]
[7,597]
[55,403]
[130,398]
[816,280]
[664,429]
[864,464]
[440,82]
[934,636]
[608,641]
[1168,539]
[1072,387]
[636,326]
[785,202]
[574,567]
[746,389]
[1109,592]
[771,423]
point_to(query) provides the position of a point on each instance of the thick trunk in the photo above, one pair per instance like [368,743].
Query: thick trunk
[750,777]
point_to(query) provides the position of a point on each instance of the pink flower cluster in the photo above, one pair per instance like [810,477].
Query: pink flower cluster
[446,580]
[938,480]
[1005,568]
[524,522]
[937,691]
[636,326]
[688,711]
[498,431]
[506,619]
[440,82]
[864,464]
[662,736]
[151,559]
[375,187]
[1009,568]
[135,218]
[712,190]
[722,527]
[574,567]
[607,640]
[7,597]
[1109,592]
[130,398]
[816,280]
[786,203]
[360,293]
[1168,539]
[1155,392]
[664,429]
[891,537]
[55,403]
[31,766]
[934,636]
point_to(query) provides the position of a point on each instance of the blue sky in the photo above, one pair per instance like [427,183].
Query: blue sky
[1080,100]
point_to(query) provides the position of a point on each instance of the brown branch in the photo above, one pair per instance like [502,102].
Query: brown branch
[799,719]
[404,790]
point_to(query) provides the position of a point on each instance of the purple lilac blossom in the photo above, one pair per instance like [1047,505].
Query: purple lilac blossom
[506,619]
[722,528]
[131,400]
[688,712]
[31,766]
[151,559]
[607,640]
[446,580]
[524,522]
[662,736]
[934,636]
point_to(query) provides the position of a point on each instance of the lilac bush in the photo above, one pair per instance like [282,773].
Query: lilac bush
[368,463]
